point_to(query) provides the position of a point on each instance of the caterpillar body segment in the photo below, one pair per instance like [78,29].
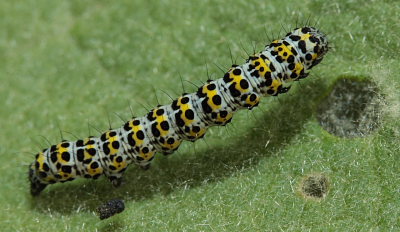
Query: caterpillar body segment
[186,118]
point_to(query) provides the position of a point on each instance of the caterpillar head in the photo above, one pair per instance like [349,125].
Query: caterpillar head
[311,43]
[36,185]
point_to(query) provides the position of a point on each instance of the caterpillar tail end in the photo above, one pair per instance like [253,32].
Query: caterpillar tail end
[36,185]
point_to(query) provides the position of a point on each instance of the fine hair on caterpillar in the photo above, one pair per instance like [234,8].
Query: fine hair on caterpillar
[188,117]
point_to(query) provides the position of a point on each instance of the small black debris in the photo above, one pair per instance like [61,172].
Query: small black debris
[110,208]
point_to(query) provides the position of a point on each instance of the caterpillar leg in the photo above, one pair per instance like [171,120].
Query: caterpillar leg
[36,185]
[115,181]
[145,167]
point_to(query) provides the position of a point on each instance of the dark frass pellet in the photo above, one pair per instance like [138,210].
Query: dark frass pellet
[110,208]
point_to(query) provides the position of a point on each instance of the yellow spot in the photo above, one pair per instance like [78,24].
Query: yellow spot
[252,103]
[305,36]
[135,129]
[112,149]
[146,156]
[183,108]
[222,120]
[263,63]
[275,84]
[236,80]
[172,146]
[286,49]
[210,94]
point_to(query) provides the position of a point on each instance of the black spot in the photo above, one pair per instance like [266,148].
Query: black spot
[305,30]
[96,176]
[145,150]
[179,121]
[274,53]
[115,144]
[119,159]
[131,141]
[223,114]
[164,125]
[290,59]
[279,59]
[170,141]
[184,100]
[160,112]
[244,84]
[211,87]
[270,91]
[293,51]
[37,165]
[90,142]
[227,78]
[46,167]
[150,116]
[272,67]
[103,137]
[200,93]
[78,143]
[136,122]
[174,105]
[206,108]
[140,135]
[80,155]
[54,147]
[295,37]
[285,54]
[291,66]
[255,74]
[189,114]
[237,72]
[94,165]
[302,46]
[196,129]
[253,57]
[65,156]
[216,99]
[112,133]
[91,151]
[214,115]
[253,97]
[234,92]
[106,149]
[66,169]
[316,49]
[268,75]
[154,130]
[308,56]
[87,161]
[53,157]
[261,69]
[111,167]
[65,145]
[127,127]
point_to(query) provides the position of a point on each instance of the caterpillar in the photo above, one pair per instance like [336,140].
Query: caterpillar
[187,118]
